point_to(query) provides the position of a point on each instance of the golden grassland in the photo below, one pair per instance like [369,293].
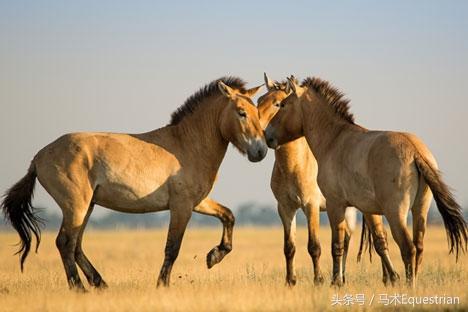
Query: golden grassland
[251,278]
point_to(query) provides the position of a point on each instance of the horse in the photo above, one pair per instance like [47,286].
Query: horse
[171,168]
[378,172]
[294,185]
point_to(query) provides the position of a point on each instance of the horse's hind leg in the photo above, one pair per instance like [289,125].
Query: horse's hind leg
[73,217]
[419,210]
[312,213]
[288,218]
[402,237]
[180,216]
[212,208]
[92,275]
[375,224]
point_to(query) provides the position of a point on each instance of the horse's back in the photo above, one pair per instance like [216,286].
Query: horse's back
[115,166]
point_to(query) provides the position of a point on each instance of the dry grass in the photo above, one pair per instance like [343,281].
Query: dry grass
[250,278]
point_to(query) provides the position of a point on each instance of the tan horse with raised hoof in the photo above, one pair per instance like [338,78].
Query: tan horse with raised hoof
[172,168]
[294,185]
[379,172]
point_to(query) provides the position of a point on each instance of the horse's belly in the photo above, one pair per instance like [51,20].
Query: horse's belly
[369,206]
[130,199]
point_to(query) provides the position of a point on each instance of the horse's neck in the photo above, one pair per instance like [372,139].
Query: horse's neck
[323,128]
[292,155]
[200,138]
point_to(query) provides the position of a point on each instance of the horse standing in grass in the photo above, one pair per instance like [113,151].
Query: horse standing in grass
[294,184]
[172,168]
[378,172]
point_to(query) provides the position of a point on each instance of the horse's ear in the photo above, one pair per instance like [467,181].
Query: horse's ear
[251,92]
[294,86]
[287,88]
[268,83]
[226,90]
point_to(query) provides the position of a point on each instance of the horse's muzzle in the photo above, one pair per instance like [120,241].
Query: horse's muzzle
[270,138]
[257,151]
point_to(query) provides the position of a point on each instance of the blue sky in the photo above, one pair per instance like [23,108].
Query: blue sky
[125,66]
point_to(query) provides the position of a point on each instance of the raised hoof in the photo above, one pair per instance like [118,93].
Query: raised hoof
[214,257]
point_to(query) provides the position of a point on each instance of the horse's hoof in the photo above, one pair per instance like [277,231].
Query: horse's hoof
[101,285]
[162,284]
[319,280]
[213,257]
[79,290]
[394,279]
[291,282]
[337,283]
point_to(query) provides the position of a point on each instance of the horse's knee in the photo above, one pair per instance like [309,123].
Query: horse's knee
[289,249]
[314,249]
[337,249]
[419,248]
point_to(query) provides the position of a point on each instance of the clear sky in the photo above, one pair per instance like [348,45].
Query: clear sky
[124,67]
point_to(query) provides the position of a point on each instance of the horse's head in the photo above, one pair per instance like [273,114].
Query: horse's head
[240,124]
[286,124]
[269,103]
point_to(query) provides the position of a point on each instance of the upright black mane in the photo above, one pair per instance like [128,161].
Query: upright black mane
[194,101]
[332,95]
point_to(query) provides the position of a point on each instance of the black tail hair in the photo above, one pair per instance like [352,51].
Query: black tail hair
[455,224]
[18,210]
[366,236]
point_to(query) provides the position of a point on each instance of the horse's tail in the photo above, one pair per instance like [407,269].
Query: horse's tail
[455,225]
[18,210]
[366,236]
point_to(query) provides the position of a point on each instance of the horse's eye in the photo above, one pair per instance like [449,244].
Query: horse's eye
[277,104]
[242,113]
[281,104]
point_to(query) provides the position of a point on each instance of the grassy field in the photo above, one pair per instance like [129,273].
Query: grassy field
[251,278]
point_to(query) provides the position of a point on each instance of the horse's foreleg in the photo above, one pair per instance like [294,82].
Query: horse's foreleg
[92,275]
[336,215]
[288,218]
[212,208]
[180,216]
[312,213]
